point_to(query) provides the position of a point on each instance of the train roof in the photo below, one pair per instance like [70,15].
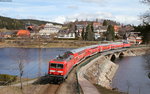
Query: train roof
[116,42]
[104,44]
[82,48]
[87,47]
[92,46]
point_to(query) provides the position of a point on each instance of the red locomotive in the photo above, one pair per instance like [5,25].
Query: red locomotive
[60,67]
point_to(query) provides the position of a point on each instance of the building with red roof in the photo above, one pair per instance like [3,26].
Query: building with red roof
[97,24]
[23,33]
[116,28]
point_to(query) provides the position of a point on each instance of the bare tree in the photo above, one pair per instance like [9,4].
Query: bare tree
[145,1]
[146,15]
[21,57]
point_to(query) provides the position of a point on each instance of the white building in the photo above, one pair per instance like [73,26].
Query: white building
[49,29]
[97,35]
[100,29]
[66,34]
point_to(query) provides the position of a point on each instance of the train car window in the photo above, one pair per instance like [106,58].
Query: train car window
[94,48]
[60,66]
[81,52]
[53,65]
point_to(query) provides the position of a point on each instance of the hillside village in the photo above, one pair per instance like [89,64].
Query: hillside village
[98,30]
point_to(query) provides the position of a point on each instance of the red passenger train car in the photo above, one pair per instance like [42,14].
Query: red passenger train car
[60,67]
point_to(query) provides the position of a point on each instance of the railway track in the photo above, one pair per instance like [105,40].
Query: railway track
[52,89]
[69,86]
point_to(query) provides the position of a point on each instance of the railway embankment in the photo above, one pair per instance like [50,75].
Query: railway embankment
[139,51]
[101,71]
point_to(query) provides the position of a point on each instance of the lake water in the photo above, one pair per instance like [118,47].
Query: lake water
[35,60]
[131,77]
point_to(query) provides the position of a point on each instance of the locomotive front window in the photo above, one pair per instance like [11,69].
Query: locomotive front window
[53,65]
[59,66]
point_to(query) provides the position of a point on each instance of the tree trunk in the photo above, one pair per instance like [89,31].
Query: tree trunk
[21,85]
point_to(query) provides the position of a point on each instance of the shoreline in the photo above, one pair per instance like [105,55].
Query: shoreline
[49,44]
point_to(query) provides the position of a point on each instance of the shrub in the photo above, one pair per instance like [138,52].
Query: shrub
[6,79]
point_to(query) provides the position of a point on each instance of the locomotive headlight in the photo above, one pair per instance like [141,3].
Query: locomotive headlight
[52,70]
[60,71]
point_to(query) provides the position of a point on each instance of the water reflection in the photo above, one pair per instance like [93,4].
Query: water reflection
[131,77]
[32,56]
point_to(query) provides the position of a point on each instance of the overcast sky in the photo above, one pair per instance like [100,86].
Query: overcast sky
[123,11]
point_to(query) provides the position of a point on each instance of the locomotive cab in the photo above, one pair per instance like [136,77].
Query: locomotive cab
[56,72]
[56,69]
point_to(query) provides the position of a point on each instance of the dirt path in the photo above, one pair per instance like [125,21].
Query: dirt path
[70,84]
[51,89]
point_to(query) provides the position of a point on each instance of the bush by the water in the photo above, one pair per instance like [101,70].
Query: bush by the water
[6,79]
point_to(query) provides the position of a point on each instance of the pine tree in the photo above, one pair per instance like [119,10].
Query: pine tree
[92,32]
[105,23]
[145,32]
[83,34]
[89,33]
[110,35]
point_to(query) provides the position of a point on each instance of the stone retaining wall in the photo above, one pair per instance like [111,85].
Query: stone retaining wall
[101,70]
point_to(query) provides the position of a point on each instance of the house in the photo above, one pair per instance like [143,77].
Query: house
[50,29]
[129,28]
[125,31]
[7,34]
[96,36]
[116,29]
[138,40]
[80,25]
[30,28]
[66,34]
[134,38]
[100,31]
[96,24]
[23,33]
